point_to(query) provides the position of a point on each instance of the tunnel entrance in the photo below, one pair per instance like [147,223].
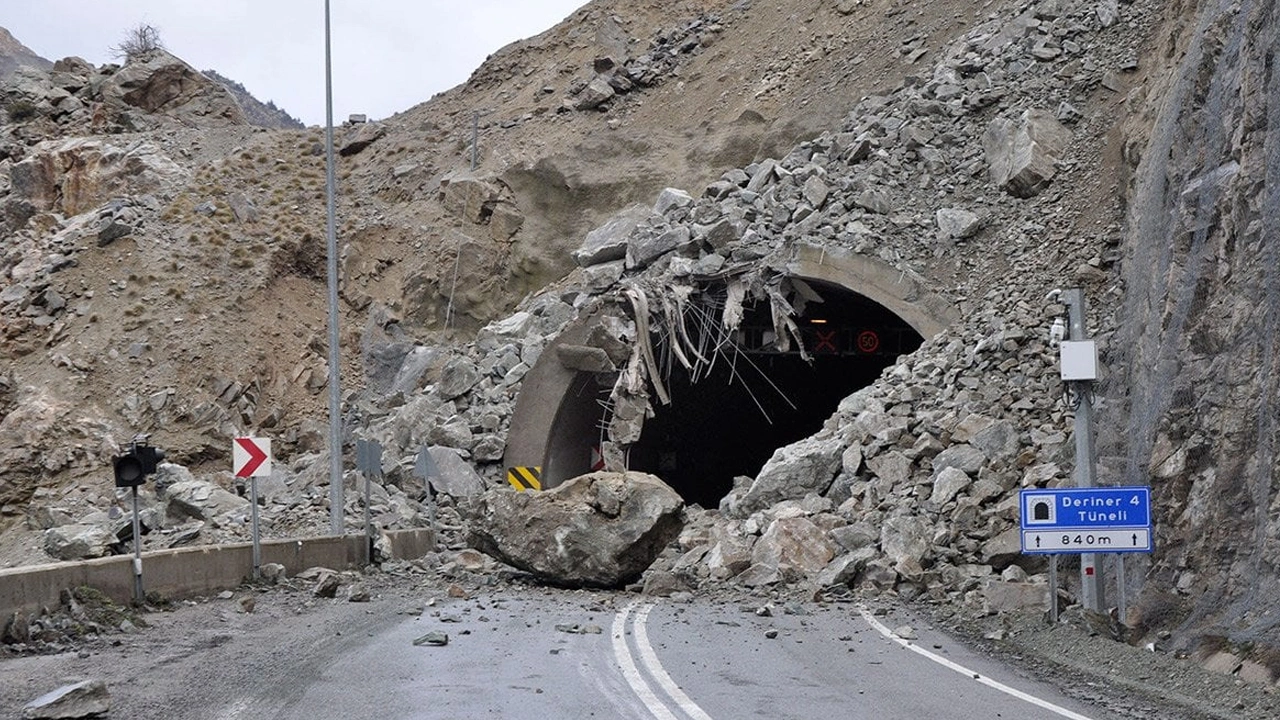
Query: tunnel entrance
[730,421]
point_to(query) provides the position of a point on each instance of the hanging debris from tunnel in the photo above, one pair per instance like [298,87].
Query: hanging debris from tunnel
[679,322]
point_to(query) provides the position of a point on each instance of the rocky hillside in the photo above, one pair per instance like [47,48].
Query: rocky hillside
[14,55]
[165,274]
[256,112]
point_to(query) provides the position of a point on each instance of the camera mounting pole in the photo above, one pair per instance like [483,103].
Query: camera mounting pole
[1080,373]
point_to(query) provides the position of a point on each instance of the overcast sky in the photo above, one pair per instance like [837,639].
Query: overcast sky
[388,55]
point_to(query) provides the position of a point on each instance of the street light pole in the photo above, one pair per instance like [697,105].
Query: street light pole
[335,397]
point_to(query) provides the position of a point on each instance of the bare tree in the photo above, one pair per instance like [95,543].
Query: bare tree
[141,39]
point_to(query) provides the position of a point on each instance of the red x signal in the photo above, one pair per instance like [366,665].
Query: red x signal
[825,342]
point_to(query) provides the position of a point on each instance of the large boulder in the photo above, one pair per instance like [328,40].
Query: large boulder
[78,175]
[188,497]
[470,197]
[364,136]
[1022,153]
[78,542]
[597,530]
[794,546]
[455,476]
[25,432]
[609,241]
[161,83]
[796,470]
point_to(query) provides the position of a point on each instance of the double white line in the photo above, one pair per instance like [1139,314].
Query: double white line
[669,702]
[673,704]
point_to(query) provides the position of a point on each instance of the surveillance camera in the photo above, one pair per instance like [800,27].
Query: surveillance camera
[1057,332]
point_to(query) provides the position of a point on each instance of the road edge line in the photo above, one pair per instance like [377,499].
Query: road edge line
[1014,692]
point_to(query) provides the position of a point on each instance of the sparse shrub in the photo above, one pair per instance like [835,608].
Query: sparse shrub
[1269,657]
[142,39]
[1157,609]
[21,111]
[1209,645]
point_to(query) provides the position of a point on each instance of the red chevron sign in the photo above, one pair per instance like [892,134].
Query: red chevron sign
[251,457]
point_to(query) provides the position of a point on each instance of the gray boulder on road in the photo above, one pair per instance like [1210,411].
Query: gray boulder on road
[597,530]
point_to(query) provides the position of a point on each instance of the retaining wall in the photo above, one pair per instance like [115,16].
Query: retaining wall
[187,572]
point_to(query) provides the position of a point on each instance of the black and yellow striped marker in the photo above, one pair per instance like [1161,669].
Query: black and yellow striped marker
[525,478]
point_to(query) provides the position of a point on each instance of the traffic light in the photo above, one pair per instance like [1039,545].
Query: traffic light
[133,467]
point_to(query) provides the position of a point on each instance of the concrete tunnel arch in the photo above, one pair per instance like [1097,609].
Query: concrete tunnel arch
[559,407]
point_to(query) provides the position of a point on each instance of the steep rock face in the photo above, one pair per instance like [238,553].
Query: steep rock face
[1197,353]
[149,92]
[257,113]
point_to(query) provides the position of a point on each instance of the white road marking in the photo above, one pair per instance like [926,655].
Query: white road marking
[650,659]
[629,671]
[1044,704]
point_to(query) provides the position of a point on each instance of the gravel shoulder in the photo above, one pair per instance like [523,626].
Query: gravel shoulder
[1129,681]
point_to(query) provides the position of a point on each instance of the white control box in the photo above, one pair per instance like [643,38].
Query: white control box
[1079,360]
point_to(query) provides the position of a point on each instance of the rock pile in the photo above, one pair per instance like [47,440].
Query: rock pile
[83,613]
[665,53]
[912,484]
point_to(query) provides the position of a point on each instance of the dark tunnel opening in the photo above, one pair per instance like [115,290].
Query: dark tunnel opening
[731,421]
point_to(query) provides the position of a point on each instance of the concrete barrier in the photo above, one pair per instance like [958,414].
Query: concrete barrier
[187,572]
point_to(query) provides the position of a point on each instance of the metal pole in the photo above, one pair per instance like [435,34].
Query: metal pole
[475,139]
[1085,476]
[335,397]
[257,548]
[138,595]
[1123,604]
[368,521]
[431,506]
[1053,589]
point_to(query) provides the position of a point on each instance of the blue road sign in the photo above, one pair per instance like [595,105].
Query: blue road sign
[1086,520]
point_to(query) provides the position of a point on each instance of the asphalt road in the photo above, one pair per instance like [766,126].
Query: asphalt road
[530,653]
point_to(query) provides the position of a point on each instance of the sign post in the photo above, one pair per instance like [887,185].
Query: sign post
[251,458]
[426,468]
[369,463]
